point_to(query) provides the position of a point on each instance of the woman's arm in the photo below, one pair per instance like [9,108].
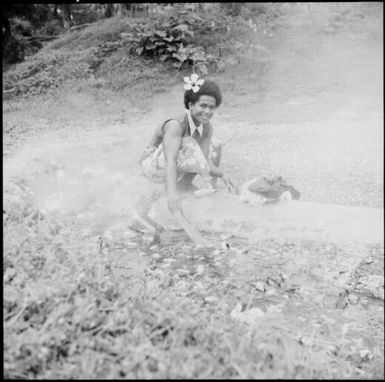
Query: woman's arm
[214,170]
[205,146]
[172,141]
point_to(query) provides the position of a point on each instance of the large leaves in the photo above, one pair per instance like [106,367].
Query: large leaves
[160,33]
[183,28]
[173,39]
[181,56]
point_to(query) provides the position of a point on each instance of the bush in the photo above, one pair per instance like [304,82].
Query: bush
[183,36]
[53,27]
[13,51]
[82,14]
[98,33]
[21,27]
[180,36]
[40,14]
[44,71]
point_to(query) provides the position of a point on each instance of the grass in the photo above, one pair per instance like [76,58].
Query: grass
[95,34]
[70,312]
[92,58]
[73,308]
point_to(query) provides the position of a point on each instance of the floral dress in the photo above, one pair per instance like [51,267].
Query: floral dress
[190,159]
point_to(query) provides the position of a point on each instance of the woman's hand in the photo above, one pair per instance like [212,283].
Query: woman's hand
[174,203]
[231,185]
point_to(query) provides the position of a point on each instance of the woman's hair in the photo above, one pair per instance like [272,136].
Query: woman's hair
[209,88]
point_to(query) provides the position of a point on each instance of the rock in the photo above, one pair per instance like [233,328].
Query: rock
[366,354]
[181,285]
[342,300]
[369,260]
[168,260]
[125,36]
[225,245]
[9,274]
[183,272]
[200,269]
[198,287]
[270,292]
[211,299]
[372,284]
[259,285]
[364,302]
[305,341]
[249,316]
[271,282]
[274,309]
[353,299]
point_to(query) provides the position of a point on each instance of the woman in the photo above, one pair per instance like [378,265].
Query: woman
[183,147]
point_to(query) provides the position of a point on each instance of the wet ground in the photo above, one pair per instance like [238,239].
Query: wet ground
[312,114]
[316,119]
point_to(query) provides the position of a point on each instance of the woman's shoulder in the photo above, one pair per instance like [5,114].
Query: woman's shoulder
[176,121]
[179,118]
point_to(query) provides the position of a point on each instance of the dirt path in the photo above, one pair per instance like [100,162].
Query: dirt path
[313,114]
[310,109]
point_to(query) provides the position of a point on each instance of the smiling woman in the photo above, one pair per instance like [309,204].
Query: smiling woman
[184,147]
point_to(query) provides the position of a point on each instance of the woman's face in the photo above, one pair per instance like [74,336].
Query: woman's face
[202,110]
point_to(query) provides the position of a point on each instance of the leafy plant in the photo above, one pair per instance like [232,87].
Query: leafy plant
[177,38]
[21,26]
[51,28]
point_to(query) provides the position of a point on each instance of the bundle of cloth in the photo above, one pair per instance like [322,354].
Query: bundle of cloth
[263,190]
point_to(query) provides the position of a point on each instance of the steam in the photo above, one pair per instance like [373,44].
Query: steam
[334,78]
[330,48]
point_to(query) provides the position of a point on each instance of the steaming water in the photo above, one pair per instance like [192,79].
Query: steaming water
[318,122]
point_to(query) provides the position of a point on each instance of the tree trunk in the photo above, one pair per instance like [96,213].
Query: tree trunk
[5,22]
[109,12]
[68,19]
[118,9]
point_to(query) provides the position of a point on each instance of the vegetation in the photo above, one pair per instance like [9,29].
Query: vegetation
[189,320]
[182,36]
[73,307]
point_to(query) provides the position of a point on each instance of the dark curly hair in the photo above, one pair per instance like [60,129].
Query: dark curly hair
[209,88]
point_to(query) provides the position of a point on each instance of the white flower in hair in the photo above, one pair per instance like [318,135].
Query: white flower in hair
[193,82]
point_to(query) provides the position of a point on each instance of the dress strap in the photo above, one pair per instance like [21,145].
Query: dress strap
[182,122]
[167,120]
